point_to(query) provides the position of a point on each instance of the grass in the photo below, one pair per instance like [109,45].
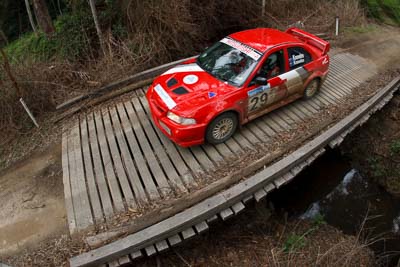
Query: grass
[386,11]
[295,241]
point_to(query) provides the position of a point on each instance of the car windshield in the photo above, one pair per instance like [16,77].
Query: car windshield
[227,63]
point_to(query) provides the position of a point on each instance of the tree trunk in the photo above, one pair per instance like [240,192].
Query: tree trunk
[43,17]
[3,36]
[96,23]
[28,10]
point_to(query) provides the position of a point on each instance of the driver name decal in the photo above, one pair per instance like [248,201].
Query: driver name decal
[251,52]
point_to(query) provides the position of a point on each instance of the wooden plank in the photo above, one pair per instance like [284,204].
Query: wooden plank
[114,263]
[269,187]
[342,84]
[173,153]
[212,153]
[226,214]
[104,192]
[190,159]
[343,78]
[253,140]
[202,158]
[285,117]
[91,182]
[67,185]
[257,132]
[136,255]
[141,166]
[212,219]
[238,207]
[201,227]
[159,151]
[148,153]
[260,194]
[108,165]
[224,150]
[124,260]
[292,115]
[267,131]
[272,124]
[335,89]
[161,245]
[234,146]
[126,157]
[247,199]
[121,176]
[278,182]
[150,250]
[188,233]
[82,205]
[312,103]
[242,141]
[280,121]
[174,240]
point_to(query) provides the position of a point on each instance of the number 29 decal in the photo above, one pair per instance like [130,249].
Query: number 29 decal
[258,97]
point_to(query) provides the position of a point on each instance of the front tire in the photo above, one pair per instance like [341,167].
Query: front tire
[222,128]
[311,89]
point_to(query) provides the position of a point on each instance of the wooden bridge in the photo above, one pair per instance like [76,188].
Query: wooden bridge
[116,161]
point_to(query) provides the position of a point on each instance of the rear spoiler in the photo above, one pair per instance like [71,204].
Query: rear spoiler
[310,39]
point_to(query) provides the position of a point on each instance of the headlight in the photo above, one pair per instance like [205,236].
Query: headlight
[180,120]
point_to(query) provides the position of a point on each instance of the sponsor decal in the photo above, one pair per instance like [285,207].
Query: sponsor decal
[184,68]
[165,96]
[325,61]
[251,52]
[190,79]
[211,94]
[296,59]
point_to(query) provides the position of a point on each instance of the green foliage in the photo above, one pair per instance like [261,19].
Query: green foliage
[387,11]
[395,147]
[294,242]
[378,170]
[72,40]
[318,220]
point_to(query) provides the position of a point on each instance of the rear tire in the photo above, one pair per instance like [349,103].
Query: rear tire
[311,89]
[221,128]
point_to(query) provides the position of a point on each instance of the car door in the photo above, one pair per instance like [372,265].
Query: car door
[298,57]
[267,86]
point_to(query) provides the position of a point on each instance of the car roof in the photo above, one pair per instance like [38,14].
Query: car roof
[262,39]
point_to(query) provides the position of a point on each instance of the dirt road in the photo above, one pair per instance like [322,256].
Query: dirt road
[32,202]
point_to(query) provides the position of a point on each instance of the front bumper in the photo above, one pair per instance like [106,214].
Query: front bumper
[183,135]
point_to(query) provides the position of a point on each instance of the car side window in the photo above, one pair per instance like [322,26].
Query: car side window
[273,66]
[298,57]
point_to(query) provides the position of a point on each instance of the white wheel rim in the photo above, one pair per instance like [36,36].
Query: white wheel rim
[312,88]
[222,129]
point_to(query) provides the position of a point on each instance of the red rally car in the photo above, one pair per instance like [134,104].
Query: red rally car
[243,76]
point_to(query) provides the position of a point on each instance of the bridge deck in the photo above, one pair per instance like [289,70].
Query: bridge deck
[115,160]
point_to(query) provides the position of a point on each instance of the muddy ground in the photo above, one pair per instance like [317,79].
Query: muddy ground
[33,219]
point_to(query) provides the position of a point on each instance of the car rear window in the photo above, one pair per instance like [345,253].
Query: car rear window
[298,57]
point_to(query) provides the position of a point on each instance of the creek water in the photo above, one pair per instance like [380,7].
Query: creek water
[348,201]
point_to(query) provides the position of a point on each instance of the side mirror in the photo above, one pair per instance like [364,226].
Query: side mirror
[261,80]
[276,81]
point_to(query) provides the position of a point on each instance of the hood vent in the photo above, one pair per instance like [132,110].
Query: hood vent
[171,82]
[180,91]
